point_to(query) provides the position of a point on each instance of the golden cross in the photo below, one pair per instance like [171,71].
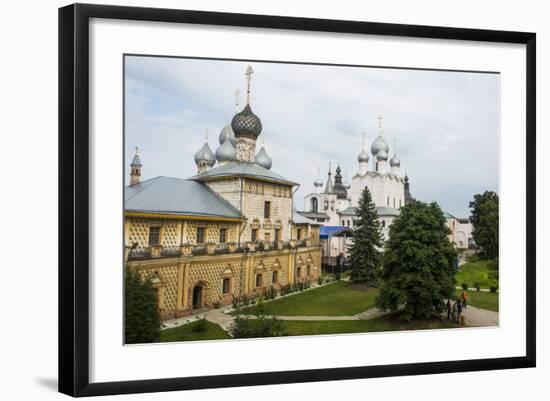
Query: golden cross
[380,118]
[364,133]
[248,73]
[136,150]
[237,95]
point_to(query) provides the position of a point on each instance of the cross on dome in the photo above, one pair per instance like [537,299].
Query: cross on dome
[248,74]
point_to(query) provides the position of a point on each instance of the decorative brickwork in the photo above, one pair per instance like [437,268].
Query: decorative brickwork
[177,277]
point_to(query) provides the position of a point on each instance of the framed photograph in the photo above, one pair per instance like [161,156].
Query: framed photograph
[251,199]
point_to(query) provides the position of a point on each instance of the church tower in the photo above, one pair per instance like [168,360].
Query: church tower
[135,169]
[205,158]
[395,162]
[363,159]
[247,127]
[379,149]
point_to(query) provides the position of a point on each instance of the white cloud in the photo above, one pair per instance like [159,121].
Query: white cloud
[445,123]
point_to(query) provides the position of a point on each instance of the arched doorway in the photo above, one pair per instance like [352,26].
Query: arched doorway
[198,295]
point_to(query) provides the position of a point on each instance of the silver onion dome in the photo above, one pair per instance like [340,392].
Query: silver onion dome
[246,123]
[382,155]
[206,154]
[378,145]
[227,132]
[318,183]
[395,162]
[226,151]
[263,159]
[363,157]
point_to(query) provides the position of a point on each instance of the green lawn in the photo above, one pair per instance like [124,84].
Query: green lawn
[476,272]
[194,331]
[383,323]
[483,300]
[338,299]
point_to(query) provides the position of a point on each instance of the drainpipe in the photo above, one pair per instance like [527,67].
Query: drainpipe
[292,220]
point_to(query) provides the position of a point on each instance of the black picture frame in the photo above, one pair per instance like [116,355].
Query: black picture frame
[74,200]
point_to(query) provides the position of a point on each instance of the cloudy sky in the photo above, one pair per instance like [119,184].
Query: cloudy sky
[445,124]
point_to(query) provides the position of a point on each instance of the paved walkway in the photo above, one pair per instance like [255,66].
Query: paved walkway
[476,317]
[226,320]
[218,317]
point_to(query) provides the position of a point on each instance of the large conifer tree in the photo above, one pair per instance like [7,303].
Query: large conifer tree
[418,271]
[365,252]
[142,318]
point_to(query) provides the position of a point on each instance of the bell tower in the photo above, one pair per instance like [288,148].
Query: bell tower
[135,169]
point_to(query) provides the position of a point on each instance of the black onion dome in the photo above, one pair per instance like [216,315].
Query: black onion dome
[246,123]
[339,187]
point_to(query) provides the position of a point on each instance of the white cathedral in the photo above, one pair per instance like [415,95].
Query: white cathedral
[335,206]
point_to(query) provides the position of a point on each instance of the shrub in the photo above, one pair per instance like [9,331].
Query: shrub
[464,286]
[494,289]
[260,327]
[200,326]
[493,275]
[477,286]
[320,280]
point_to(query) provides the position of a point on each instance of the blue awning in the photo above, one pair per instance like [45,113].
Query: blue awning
[335,231]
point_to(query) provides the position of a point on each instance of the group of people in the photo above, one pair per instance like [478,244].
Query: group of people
[454,310]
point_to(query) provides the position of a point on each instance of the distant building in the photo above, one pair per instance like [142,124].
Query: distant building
[336,206]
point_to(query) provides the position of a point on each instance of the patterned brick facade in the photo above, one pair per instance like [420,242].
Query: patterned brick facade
[177,278]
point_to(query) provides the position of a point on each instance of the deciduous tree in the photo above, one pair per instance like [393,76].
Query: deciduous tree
[418,271]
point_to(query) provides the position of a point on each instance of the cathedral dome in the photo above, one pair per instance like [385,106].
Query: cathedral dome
[263,159]
[363,157]
[206,154]
[318,183]
[395,162]
[226,152]
[382,155]
[227,132]
[378,145]
[339,188]
[246,123]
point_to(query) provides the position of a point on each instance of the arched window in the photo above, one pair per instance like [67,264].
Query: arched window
[314,205]
[388,201]
[394,203]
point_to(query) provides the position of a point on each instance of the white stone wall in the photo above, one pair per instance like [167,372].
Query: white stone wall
[463,235]
[387,190]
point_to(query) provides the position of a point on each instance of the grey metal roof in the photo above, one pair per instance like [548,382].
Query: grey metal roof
[387,211]
[382,211]
[176,196]
[299,219]
[313,215]
[245,169]
[350,211]
[136,161]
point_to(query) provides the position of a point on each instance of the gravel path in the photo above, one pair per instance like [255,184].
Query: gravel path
[476,317]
